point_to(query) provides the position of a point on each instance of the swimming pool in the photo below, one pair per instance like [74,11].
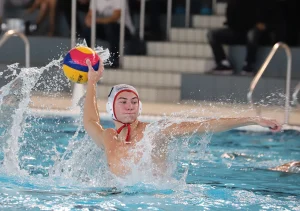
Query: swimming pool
[47,162]
[57,167]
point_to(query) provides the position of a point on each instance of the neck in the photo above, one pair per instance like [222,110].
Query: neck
[123,133]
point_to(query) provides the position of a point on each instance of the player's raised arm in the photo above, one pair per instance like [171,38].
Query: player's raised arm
[91,118]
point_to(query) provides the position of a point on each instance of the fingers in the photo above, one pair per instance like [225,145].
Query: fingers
[94,75]
[275,127]
[89,64]
[101,67]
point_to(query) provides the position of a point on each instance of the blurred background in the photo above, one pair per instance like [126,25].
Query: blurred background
[182,61]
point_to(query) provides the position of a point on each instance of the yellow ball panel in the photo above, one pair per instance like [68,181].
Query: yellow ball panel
[84,49]
[75,75]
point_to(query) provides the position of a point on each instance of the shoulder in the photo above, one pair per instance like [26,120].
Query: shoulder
[109,134]
[143,125]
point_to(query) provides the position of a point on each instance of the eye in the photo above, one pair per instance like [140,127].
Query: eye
[123,102]
[134,102]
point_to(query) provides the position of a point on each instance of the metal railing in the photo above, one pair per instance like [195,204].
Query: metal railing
[73,24]
[288,77]
[295,94]
[142,19]
[11,33]
[78,89]
[122,23]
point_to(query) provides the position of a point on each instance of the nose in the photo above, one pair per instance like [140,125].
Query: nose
[129,106]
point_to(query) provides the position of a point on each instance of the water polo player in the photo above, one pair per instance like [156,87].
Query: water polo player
[124,106]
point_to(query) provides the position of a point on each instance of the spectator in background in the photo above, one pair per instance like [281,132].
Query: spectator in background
[45,7]
[292,15]
[108,25]
[248,21]
[65,6]
[153,9]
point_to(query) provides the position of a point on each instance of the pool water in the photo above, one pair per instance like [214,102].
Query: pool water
[55,166]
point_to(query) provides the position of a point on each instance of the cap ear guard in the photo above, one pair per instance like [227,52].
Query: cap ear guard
[109,110]
[140,108]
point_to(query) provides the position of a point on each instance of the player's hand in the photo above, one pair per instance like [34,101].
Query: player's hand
[94,75]
[272,124]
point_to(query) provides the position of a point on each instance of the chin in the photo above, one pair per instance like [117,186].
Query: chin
[129,119]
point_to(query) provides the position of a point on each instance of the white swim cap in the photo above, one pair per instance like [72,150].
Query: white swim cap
[115,90]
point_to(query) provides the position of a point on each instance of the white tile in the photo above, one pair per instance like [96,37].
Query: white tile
[190,35]
[190,50]
[182,35]
[144,78]
[147,63]
[199,50]
[167,48]
[141,62]
[129,77]
[182,65]
[159,64]
[207,21]
[206,51]
[143,93]
[160,49]
[200,21]
[201,65]
[182,50]
[155,78]
[127,63]
[177,80]
[167,80]
[136,78]
[162,65]
[214,22]
[152,95]
[175,49]
[116,76]
[111,77]
[174,63]
[135,62]
[151,48]
[195,21]
[191,65]
[174,34]
[199,36]
[167,65]
[208,65]
[152,63]
[204,36]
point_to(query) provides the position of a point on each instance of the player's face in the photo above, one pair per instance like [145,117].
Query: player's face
[126,107]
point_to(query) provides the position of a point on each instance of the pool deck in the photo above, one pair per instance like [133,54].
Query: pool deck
[183,109]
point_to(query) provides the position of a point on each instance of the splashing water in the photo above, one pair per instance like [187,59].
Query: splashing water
[15,100]
[81,160]
[71,173]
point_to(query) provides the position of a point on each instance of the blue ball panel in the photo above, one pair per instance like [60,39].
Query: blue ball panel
[69,62]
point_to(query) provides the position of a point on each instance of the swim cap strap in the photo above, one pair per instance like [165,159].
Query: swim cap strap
[128,132]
